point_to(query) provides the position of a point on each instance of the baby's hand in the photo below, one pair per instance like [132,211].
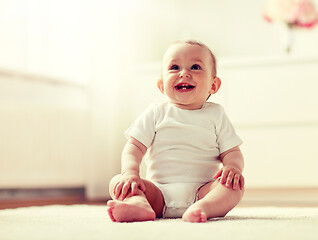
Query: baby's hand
[128,181]
[230,176]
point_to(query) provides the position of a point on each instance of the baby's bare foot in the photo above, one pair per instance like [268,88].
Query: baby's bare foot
[130,211]
[194,215]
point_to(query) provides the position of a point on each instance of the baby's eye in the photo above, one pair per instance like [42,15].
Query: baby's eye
[174,67]
[195,67]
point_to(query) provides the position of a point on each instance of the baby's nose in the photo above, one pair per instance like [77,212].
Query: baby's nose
[185,74]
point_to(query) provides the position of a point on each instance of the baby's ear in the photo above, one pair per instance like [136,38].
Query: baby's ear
[160,85]
[215,85]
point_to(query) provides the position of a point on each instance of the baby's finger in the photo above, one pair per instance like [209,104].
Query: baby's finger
[229,179]
[142,187]
[218,174]
[225,172]
[134,188]
[115,187]
[236,181]
[118,189]
[242,182]
[124,190]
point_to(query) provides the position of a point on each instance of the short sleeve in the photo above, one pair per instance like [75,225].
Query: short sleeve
[226,135]
[143,128]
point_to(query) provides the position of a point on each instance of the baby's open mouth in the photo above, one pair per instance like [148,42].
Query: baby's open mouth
[184,87]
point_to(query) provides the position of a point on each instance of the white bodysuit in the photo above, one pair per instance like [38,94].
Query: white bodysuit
[183,149]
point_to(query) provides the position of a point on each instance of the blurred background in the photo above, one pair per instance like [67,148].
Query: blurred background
[75,74]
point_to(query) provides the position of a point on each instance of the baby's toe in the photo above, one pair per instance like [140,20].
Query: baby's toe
[110,214]
[203,217]
[111,204]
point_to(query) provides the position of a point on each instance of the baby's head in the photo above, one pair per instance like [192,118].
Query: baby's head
[188,74]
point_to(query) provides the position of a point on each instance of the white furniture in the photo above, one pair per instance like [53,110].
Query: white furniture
[273,104]
[44,131]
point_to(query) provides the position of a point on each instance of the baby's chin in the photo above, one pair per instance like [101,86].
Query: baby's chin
[188,106]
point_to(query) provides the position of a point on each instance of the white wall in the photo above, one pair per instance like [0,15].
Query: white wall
[229,27]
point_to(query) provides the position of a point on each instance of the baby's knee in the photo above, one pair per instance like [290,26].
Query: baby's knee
[237,196]
[241,193]
[112,184]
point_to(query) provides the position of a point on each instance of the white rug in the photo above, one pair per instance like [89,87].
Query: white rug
[92,222]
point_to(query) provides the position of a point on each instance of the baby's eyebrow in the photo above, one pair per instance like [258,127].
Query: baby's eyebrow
[174,60]
[197,60]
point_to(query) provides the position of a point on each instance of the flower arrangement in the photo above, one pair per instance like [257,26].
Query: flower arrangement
[290,14]
[294,13]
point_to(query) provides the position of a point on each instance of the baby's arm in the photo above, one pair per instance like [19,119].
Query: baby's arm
[231,173]
[132,155]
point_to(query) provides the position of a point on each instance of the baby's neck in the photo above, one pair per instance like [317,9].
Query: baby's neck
[186,106]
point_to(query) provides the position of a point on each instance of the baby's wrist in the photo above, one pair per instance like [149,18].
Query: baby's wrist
[233,166]
[130,172]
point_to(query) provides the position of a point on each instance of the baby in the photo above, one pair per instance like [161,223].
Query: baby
[187,139]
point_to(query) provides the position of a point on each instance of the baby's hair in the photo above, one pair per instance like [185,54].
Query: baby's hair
[195,42]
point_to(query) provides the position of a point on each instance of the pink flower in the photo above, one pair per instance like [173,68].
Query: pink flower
[295,13]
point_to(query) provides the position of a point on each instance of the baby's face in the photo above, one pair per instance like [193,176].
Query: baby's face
[187,77]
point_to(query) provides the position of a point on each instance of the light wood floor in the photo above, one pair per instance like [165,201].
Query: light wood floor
[286,197]
[280,197]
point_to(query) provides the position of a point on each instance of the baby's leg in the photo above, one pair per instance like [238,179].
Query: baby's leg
[215,200]
[143,206]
